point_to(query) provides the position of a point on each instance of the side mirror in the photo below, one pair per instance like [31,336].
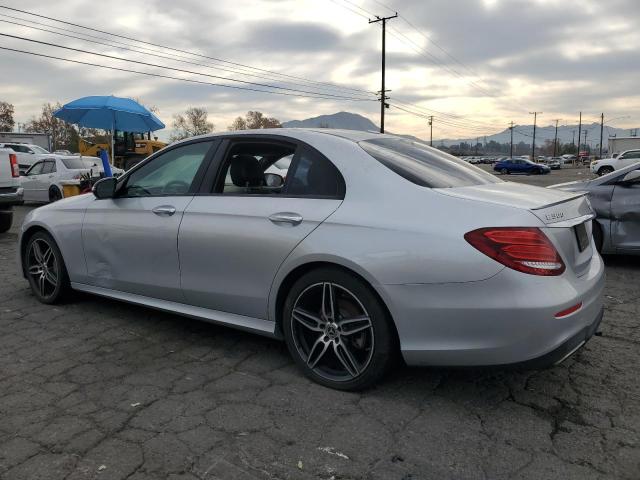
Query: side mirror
[632,177]
[273,180]
[105,188]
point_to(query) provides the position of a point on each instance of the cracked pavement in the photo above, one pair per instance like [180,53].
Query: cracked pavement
[98,389]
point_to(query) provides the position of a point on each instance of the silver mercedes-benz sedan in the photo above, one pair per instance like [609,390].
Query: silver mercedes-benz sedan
[366,247]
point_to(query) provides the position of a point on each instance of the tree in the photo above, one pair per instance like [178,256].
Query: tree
[193,122]
[254,120]
[6,117]
[63,134]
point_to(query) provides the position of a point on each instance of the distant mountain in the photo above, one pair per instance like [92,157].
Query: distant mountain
[343,120]
[524,133]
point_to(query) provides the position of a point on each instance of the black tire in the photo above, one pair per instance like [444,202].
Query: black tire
[41,279]
[54,194]
[370,349]
[504,171]
[6,219]
[598,238]
[605,171]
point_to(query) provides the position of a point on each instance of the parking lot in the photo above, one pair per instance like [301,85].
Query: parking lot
[100,389]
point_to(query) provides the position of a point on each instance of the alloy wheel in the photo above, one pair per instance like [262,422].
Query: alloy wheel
[43,267]
[332,331]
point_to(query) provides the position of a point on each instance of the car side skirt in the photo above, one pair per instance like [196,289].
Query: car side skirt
[241,322]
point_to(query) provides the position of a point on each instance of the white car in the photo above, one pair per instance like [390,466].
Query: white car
[43,182]
[281,167]
[10,188]
[27,154]
[608,165]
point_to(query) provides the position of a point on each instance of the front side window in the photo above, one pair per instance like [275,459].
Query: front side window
[172,173]
[39,149]
[49,167]
[36,169]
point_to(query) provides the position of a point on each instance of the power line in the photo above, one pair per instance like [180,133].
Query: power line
[158,75]
[172,48]
[144,51]
[181,70]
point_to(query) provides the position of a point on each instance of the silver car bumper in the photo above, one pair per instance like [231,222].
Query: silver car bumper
[507,319]
[12,198]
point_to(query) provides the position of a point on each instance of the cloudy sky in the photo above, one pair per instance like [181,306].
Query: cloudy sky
[474,64]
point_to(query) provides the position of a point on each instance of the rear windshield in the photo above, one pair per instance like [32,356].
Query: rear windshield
[75,163]
[424,165]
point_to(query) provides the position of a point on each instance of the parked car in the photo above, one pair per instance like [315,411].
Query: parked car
[43,182]
[518,165]
[63,152]
[281,167]
[328,260]
[555,163]
[10,189]
[27,154]
[607,165]
[615,198]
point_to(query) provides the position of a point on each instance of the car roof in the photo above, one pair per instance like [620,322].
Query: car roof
[300,133]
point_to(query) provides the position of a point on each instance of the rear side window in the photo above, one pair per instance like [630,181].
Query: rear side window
[314,176]
[424,165]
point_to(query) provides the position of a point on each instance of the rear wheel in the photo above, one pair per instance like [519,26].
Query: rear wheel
[45,269]
[54,194]
[6,219]
[605,170]
[337,331]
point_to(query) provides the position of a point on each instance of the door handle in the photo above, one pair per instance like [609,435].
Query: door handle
[288,218]
[164,210]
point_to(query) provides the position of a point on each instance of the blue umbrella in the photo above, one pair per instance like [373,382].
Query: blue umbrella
[109,113]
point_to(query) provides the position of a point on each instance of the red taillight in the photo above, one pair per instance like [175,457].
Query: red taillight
[15,168]
[525,249]
[569,311]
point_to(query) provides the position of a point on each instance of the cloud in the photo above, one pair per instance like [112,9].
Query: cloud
[488,61]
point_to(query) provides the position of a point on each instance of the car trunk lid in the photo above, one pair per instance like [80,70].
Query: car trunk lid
[566,215]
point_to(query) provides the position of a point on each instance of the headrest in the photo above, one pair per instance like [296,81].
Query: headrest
[246,171]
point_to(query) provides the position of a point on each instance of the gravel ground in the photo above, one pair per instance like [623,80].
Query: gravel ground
[101,389]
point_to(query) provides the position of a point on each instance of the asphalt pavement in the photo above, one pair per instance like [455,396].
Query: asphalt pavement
[98,389]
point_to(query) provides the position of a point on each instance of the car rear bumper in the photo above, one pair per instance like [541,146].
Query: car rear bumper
[507,319]
[11,197]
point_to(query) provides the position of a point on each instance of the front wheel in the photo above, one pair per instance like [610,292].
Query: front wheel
[504,171]
[605,171]
[45,269]
[6,219]
[337,331]
[54,194]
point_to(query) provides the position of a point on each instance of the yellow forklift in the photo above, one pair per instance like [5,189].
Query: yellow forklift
[130,147]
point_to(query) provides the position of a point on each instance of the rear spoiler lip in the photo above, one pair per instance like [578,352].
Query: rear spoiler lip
[559,202]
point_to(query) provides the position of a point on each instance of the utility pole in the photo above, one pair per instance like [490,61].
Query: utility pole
[533,147]
[579,133]
[477,142]
[511,150]
[585,138]
[555,140]
[383,91]
[431,130]
[601,131]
